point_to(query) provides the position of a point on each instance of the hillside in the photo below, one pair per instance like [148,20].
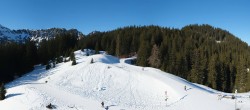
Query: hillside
[121,86]
[199,53]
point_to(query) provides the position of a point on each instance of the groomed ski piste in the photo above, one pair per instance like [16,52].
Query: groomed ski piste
[119,85]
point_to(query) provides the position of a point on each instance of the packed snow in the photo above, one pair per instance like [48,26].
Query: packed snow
[121,86]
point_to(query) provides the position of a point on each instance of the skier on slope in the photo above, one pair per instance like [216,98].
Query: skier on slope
[166,94]
[220,97]
[102,104]
[107,108]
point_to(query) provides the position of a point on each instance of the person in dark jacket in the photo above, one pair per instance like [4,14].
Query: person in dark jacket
[102,104]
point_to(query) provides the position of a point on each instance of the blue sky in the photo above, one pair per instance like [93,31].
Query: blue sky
[104,15]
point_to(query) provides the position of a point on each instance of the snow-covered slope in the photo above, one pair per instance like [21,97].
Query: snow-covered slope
[119,85]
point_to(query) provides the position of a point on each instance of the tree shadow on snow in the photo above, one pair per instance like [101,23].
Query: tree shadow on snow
[107,107]
[189,89]
[31,77]
[196,86]
[13,95]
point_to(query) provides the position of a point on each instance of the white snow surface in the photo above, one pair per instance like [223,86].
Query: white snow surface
[119,85]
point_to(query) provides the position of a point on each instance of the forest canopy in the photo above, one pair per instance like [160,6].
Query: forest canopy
[199,53]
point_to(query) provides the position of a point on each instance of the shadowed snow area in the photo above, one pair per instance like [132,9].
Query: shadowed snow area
[119,85]
[108,59]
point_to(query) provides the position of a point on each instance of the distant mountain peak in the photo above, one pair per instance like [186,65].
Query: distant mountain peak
[21,35]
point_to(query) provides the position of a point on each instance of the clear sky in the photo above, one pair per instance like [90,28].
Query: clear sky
[104,15]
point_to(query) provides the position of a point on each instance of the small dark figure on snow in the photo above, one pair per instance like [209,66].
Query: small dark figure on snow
[107,107]
[166,99]
[102,104]
[220,96]
[49,106]
[92,60]
[166,94]
[233,97]
[185,88]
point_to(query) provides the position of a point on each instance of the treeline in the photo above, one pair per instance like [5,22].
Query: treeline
[199,53]
[61,46]
[19,58]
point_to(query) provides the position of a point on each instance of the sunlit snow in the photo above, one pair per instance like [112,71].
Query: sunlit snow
[119,85]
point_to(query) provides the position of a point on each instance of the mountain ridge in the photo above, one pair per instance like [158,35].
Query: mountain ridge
[21,35]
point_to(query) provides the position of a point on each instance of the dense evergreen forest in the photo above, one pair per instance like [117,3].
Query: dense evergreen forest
[199,53]
[19,58]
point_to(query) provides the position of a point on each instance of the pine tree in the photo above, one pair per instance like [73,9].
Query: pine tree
[72,56]
[197,72]
[248,83]
[73,62]
[212,71]
[112,48]
[43,52]
[143,54]
[48,66]
[2,92]
[118,46]
[154,59]
[91,61]
[97,48]
[241,76]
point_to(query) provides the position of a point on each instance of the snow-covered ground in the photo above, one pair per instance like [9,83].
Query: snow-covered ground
[119,85]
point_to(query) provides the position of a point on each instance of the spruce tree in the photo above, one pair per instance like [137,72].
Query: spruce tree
[248,78]
[118,46]
[241,76]
[72,56]
[48,66]
[196,71]
[97,48]
[154,59]
[2,92]
[212,71]
[74,62]
[143,54]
